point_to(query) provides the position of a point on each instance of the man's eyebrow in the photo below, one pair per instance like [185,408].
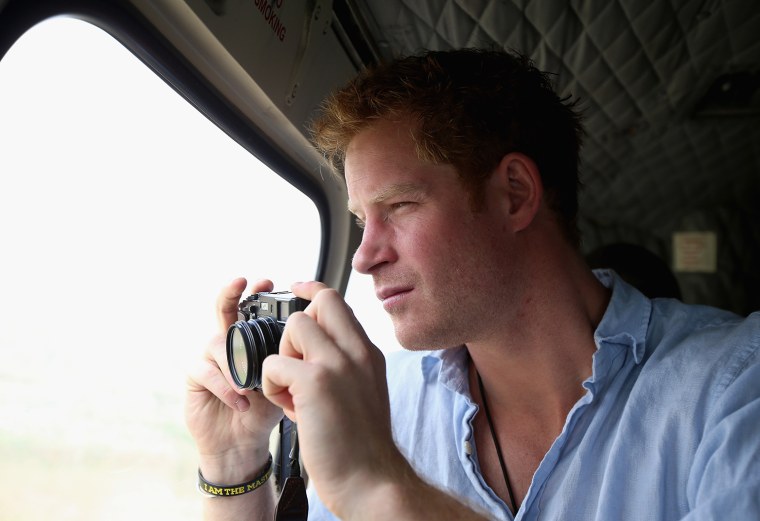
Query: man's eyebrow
[389,192]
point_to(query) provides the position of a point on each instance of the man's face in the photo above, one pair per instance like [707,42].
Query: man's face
[439,268]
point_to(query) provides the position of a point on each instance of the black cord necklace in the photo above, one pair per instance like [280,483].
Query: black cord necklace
[498,446]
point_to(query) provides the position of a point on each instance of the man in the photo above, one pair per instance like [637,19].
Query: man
[550,393]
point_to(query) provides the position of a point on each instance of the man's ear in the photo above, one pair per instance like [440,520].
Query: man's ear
[520,182]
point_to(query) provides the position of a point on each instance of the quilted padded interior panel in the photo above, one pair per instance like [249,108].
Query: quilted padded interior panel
[652,163]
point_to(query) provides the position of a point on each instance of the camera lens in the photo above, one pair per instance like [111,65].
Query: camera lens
[248,344]
[240,357]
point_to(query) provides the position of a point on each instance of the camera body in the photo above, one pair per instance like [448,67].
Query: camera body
[279,305]
[256,334]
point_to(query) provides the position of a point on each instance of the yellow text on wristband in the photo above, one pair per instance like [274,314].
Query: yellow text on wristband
[209,489]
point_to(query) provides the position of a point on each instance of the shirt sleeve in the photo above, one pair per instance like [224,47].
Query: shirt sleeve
[724,481]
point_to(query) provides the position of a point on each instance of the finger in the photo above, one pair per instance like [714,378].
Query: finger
[227,302]
[229,298]
[208,377]
[334,316]
[305,339]
[216,354]
[278,374]
[307,290]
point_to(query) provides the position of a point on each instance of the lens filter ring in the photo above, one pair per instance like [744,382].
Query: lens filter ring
[272,332]
[248,344]
[259,351]
[240,343]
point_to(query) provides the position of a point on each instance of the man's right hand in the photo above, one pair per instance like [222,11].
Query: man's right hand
[231,427]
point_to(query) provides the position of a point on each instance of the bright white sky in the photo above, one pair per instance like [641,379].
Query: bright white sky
[122,213]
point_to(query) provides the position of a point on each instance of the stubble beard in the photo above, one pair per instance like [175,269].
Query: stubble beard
[432,322]
[463,309]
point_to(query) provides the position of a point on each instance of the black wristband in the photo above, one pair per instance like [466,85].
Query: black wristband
[212,490]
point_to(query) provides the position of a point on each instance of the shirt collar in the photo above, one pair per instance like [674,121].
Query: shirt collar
[626,321]
[452,367]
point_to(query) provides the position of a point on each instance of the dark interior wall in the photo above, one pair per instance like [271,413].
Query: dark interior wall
[735,285]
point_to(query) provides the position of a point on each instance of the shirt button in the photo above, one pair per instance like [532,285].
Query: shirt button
[467,448]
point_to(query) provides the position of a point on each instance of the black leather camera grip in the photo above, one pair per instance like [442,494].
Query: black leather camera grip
[293,504]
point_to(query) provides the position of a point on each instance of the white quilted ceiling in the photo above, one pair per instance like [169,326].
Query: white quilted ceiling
[639,67]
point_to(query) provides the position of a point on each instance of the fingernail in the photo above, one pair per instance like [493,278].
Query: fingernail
[242,404]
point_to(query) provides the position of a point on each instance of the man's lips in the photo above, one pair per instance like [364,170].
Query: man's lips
[386,293]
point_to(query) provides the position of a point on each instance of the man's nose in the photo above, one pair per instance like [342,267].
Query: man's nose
[375,249]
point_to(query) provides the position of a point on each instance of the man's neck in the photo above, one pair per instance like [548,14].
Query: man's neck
[532,370]
[535,365]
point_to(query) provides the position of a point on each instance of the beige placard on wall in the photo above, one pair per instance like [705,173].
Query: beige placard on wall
[695,252]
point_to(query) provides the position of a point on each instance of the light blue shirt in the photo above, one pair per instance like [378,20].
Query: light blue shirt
[668,428]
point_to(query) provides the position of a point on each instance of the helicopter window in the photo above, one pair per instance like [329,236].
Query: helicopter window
[123,210]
